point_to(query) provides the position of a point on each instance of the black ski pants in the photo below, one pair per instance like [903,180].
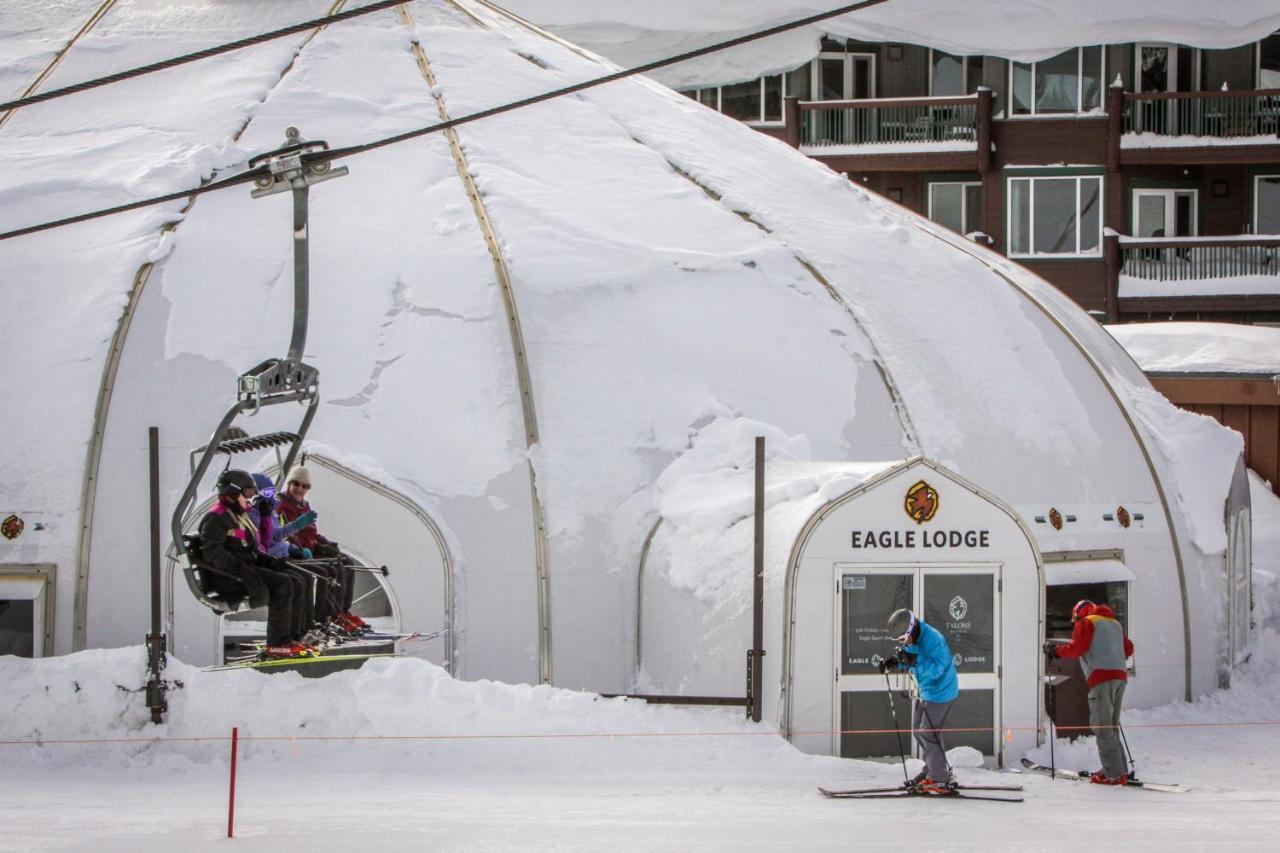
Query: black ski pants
[285,603]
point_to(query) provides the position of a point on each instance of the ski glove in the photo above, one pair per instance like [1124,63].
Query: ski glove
[1050,648]
[889,664]
[907,658]
[300,523]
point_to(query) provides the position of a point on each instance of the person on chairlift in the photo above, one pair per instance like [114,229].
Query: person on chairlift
[924,652]
[296,512]
[229,544]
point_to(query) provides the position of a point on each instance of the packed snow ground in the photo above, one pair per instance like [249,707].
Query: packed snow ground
[491,766]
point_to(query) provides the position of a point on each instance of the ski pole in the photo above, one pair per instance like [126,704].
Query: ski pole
[1133,767]
[897,732]
[1053,767]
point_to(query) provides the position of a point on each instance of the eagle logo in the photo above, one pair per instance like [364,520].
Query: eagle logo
[1122,516]
[959,607]
[11,527]
[1055,518]
[921,502]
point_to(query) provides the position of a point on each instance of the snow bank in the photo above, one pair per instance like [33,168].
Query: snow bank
[631,33]
[1201,347]
[478,726]
[706,501]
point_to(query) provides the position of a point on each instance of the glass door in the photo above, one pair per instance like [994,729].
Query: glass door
[1156,72]
[961,602]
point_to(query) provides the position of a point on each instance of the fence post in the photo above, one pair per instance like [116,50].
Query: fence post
[1112,260]
[791,117]
[1115,125]
[984,130]
[231,797]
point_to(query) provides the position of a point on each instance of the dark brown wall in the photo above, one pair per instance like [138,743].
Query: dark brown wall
[1222,214]
[1084,281]
[907,77]
[1249,406]
[1120,61]
[1234,66]
[1050,141]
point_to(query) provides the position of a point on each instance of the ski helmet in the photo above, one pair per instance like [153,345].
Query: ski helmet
[265,487]
[1082,609]
[902,624]
[234,482]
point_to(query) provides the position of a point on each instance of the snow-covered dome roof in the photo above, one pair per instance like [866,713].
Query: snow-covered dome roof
[520,327]
[632,33]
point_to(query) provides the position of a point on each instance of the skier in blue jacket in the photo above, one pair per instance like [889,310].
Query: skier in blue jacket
[924,652]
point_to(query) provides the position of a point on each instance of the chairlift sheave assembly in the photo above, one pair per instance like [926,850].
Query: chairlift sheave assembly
[294,168]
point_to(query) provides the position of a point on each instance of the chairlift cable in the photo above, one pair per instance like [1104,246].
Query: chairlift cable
[351,150]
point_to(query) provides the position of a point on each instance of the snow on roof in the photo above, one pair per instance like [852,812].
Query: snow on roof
[633,33]
[671,269]
[1201,347]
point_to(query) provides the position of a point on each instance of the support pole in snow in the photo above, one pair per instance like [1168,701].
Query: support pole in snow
[755,674]
[155,640]
[231,796]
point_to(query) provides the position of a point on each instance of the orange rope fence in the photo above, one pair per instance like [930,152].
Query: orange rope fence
[601,735]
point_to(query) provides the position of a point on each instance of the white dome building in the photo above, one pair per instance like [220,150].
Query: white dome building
[544,342]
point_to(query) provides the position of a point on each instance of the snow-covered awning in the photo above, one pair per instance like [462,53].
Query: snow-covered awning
[1085,571]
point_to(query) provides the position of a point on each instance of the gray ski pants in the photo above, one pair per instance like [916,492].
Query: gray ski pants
[1104,716]
[929,717]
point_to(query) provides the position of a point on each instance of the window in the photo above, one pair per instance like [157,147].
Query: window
[1266,204]
[957,206]
[1070,82]
[1269,62]
[954,75]
[26,609]
[1060,599]
[756,100]
[1165,213]
[1055,216]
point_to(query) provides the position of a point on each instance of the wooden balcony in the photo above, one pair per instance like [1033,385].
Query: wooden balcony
[1191,274]
[915,134]
[1195,127]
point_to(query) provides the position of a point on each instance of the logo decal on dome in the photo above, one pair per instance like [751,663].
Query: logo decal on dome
[1122,516]
[1055,518]
[959,607]
[11,527]
[922,502]
[957,659]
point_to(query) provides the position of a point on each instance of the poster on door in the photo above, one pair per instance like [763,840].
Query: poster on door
[866,602]
[961,608]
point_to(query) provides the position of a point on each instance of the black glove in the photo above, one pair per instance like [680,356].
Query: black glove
[1050,648]
[889,664]
[907,658]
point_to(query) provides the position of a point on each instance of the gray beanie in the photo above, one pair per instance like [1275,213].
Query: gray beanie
[299,474]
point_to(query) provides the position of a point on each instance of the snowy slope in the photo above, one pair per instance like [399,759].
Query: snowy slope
[634,33]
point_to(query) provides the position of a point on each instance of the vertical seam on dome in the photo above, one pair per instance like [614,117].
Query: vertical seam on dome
[59,56]
[1133,428]
[102,409]
[541,551]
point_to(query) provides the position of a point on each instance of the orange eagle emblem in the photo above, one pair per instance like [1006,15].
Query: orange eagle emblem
[11,527]
[922,502]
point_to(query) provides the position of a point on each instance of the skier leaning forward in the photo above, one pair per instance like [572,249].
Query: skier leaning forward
[1099,641]
[925,653]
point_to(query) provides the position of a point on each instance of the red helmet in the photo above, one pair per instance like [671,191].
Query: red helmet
[1082,609]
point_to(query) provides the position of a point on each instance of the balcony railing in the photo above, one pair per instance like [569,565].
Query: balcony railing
[1223,115]
[889,121]
[1192,259]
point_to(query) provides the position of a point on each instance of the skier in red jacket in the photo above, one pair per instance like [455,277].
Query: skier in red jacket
[1099,641]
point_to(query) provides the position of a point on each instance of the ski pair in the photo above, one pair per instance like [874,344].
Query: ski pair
[271,663]
[957,792]
[1081,776]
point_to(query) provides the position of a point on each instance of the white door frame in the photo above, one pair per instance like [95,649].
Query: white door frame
[1170,195]
[815,74]
[920,572]
[33,582]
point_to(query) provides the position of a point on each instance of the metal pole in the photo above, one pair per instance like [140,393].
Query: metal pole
[897,731]
[231,795]
[1133,767]
[757,615]
[301,272]
[155,640]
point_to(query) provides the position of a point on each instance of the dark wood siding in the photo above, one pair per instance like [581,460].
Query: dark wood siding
[1249,406]
[1047,141]
[1233,66]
